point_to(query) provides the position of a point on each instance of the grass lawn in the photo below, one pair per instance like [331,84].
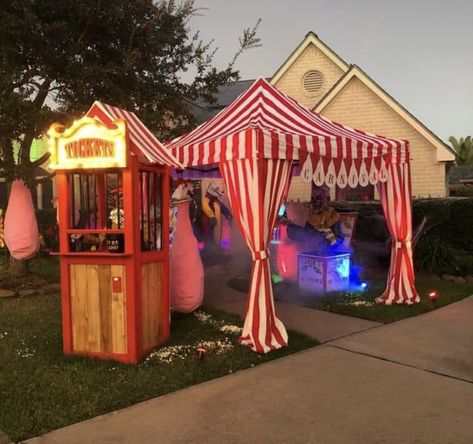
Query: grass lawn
[42,390]
[362,305]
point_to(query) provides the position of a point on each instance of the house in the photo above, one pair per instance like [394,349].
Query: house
[317,77]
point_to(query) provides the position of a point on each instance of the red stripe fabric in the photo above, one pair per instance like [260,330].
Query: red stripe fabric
[256,188]
[396,199]
[264,108]
[139,135]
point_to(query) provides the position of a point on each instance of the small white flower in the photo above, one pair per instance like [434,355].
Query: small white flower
[202,316]
[230,328]
[362,303]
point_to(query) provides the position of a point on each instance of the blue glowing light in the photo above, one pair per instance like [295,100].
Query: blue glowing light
[343,269]
[364,285]
[282,210]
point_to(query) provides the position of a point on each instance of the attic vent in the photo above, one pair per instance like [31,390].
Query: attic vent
[312,82]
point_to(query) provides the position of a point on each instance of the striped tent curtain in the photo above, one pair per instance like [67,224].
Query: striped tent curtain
[396,199]
[256,188]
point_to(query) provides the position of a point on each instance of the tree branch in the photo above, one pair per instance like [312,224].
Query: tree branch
[26,78]
[88,24]
[30,135]
[41,159]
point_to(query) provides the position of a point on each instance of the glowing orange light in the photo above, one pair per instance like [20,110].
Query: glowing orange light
[87,144]
[433,295]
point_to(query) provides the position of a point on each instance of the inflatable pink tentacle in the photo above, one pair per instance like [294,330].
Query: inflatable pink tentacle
[187,271]
[21,229]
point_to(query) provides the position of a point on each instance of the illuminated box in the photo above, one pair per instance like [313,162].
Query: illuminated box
[323,273]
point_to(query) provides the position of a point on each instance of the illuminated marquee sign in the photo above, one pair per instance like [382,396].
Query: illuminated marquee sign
[87,144]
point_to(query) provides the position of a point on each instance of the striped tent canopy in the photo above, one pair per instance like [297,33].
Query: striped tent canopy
[264,122]
[141,137]
[255,141]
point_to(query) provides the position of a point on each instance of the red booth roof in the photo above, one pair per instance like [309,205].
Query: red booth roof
[139,135]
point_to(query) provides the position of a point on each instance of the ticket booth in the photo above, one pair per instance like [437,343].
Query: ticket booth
[114,249]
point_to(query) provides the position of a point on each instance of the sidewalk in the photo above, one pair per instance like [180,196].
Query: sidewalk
[406,382]
[440,341]
[324,395]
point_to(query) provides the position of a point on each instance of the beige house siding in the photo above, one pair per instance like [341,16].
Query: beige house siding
[298,190]
[358,107]
[311,58]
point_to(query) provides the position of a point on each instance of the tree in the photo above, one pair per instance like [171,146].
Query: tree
[463,148]
[57,57]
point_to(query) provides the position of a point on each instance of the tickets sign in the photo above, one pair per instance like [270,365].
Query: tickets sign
[87,144]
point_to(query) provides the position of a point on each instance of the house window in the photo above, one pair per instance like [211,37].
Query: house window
[312,82]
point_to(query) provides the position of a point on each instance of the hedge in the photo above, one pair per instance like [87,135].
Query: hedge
[445,246]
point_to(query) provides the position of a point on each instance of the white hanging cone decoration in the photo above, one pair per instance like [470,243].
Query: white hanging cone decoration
[363,176]
[383,172]
[319,176]
[306,171]
[353,176]
[331,177]
[342,178]
[373,173]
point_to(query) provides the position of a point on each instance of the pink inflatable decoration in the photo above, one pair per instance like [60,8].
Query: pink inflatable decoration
[287,256]
[187,271]
[21,228]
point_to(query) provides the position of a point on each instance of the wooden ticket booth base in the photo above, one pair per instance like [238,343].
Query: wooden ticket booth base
[113,219]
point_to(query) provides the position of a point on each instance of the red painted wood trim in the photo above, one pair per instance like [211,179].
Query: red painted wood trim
[66,307]
[165,250]
[93,231]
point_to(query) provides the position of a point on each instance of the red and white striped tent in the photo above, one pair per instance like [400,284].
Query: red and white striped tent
[141,137]
[255,141]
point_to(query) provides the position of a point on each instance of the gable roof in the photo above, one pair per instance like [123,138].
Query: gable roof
[310,39]
[264,122]
[140,136]
[444,152]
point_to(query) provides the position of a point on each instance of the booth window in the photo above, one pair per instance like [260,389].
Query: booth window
[97,217]
[84,211]
[115,212]
[150,210]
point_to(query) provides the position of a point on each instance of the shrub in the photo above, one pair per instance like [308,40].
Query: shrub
[446,244]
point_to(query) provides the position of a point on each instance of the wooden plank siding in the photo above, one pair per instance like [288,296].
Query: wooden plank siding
[98,313]
[151,278]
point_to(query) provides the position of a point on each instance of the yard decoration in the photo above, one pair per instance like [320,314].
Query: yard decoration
[186,269]
[113,202]
[433,295]
[21,229]
[255,141]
